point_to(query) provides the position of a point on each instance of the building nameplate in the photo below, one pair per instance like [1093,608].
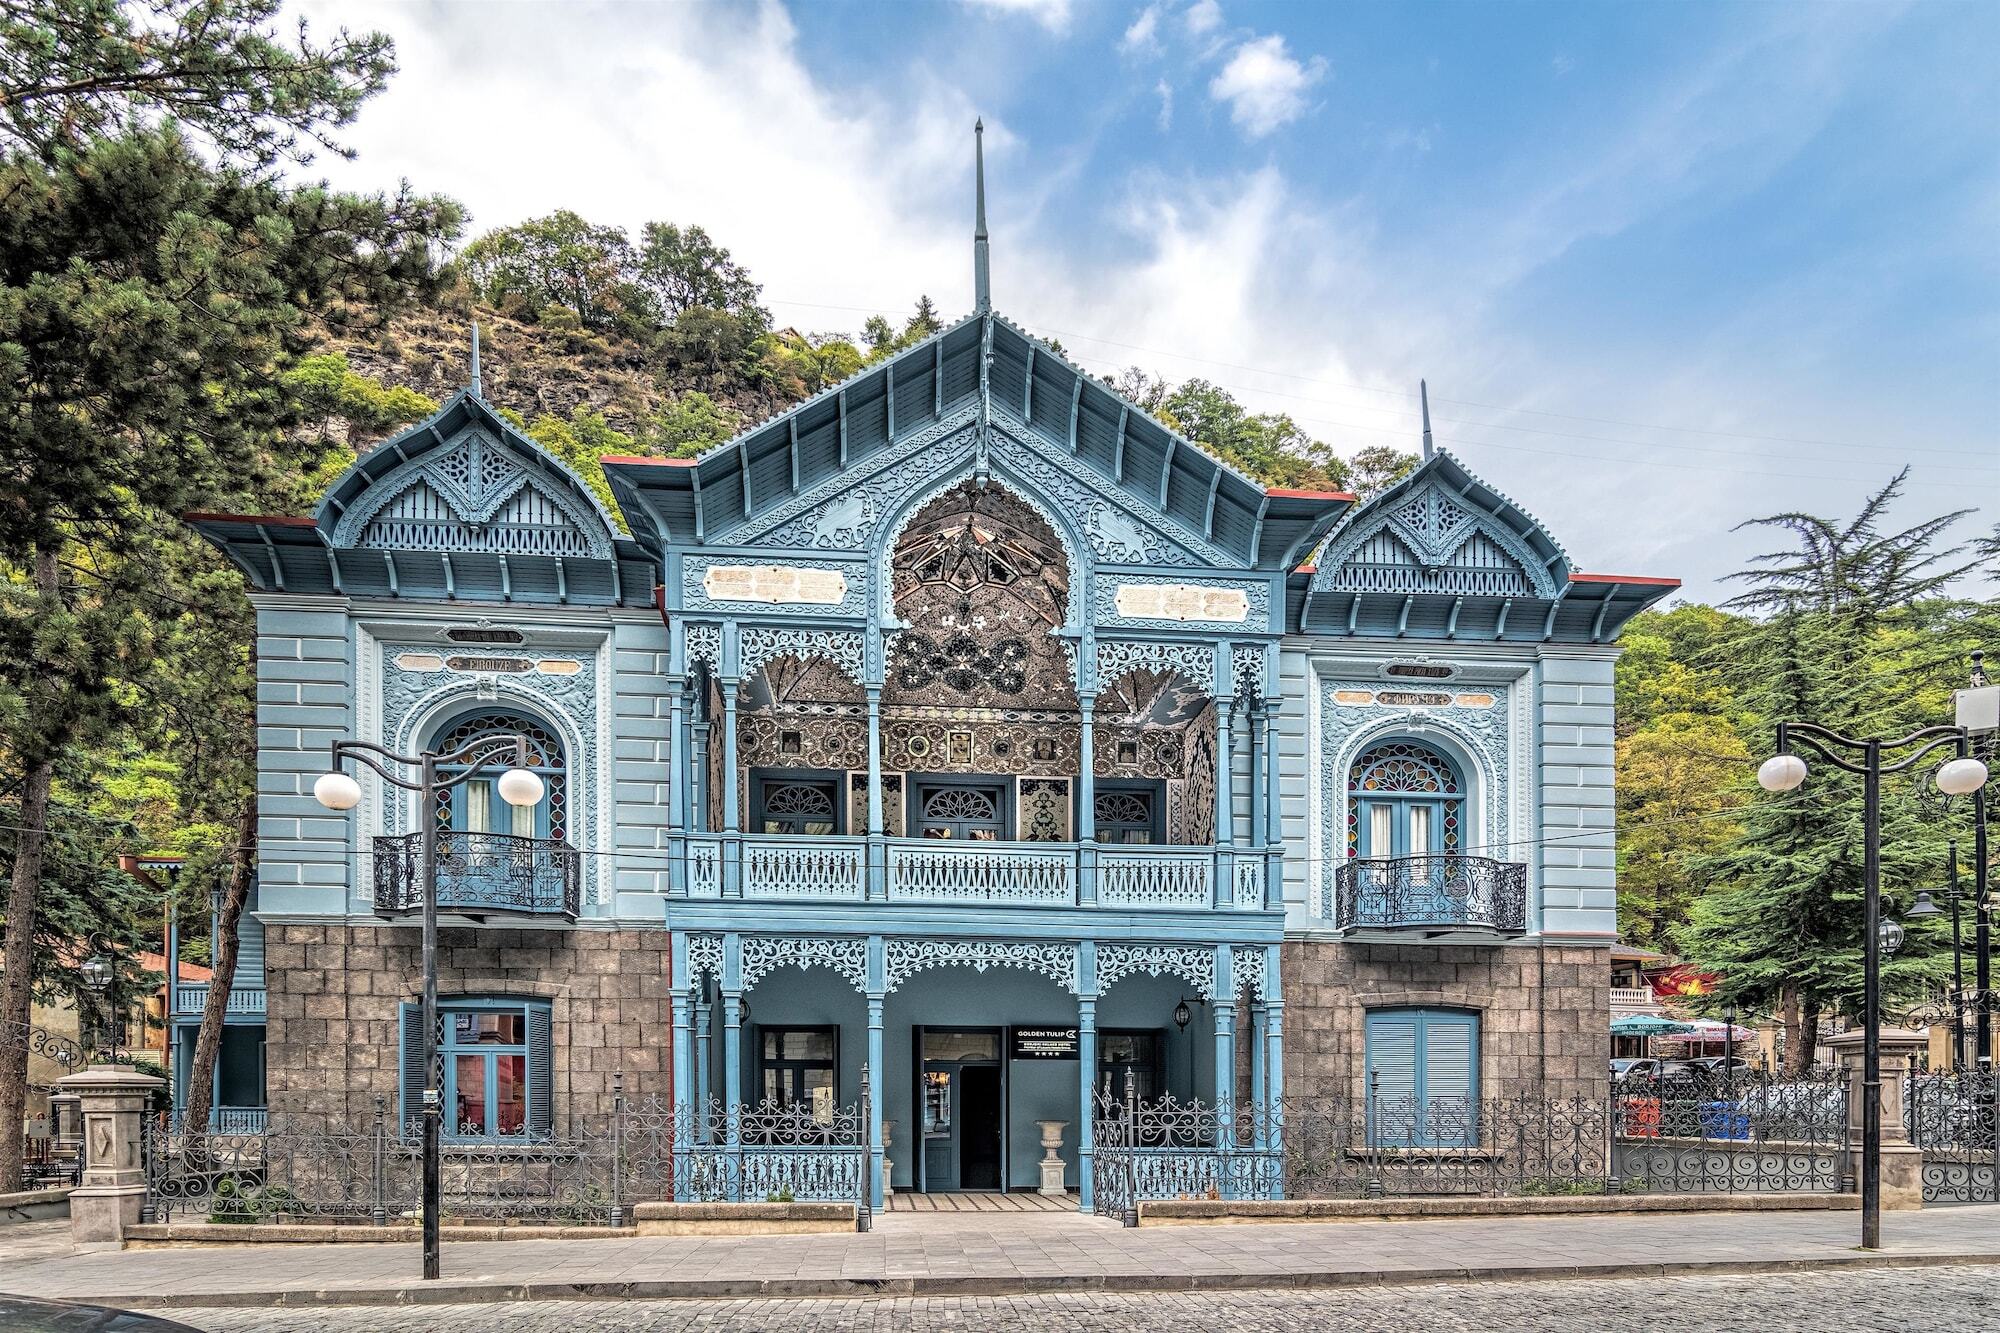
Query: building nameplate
[1183,601]
[775,584]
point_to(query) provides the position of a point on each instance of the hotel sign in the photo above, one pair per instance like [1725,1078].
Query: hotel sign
[1042,1044]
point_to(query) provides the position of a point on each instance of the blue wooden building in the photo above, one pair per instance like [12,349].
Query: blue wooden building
[963,724]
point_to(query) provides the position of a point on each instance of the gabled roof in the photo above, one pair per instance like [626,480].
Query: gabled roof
[461,506]
[719,498]
[1443,555]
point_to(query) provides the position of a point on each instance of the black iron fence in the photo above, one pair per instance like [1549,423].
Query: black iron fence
[1678,1136]
[480,873]
[1955,1118]
[591,1176]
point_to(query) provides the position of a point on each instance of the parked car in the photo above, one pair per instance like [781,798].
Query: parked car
[23,1314]
[1717,1067]
[1634,1067]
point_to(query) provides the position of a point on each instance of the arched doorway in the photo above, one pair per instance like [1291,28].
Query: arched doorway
[475,806]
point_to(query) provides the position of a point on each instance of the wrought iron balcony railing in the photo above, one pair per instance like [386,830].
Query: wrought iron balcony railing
[479,874]
[1431,894]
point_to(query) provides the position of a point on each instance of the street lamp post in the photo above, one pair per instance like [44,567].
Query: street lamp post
[100,973]
[336,789]
[1783,772]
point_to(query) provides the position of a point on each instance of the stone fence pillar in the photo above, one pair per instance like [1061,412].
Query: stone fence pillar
[1902,1160]
[114,1100]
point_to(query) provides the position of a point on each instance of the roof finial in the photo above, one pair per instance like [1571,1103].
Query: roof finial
[476,392]
[1424,392]
[982,278]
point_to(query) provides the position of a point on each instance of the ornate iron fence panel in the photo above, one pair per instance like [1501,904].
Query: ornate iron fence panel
[1682,1136]
[1740,1133]
[1955,1119]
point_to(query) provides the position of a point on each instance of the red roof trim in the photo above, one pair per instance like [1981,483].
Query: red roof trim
[282,520]
[1307,568]
[1642,579]
[1283,493]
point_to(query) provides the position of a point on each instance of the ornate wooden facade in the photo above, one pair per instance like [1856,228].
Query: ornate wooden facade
[962,699]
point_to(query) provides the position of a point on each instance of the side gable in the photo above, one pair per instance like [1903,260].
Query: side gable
[460,507]
[1442,555]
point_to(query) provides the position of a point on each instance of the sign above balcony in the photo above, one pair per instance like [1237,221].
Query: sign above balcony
[1183,601]
[779,585]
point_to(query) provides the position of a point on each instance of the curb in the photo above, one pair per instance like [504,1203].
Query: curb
[888,1287]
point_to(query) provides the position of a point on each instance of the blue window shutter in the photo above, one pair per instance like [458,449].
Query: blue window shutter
[541,1071]
[1451,1055]
[249,954]
[1392,1071]
[410,1063]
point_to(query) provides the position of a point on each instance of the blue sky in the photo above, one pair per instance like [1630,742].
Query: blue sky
[1666,267]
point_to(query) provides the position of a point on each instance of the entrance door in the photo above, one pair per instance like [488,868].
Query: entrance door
[962,811]
[962,1093]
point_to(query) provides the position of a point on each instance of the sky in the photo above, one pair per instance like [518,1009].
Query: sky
[1666,267]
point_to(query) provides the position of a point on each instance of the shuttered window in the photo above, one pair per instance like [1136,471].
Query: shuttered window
[496,1069]
[1423,1078]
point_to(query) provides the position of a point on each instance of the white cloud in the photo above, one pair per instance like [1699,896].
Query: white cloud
[1166,92]
[1051,14]
[1144,33]
[1265,86]
[1202,16]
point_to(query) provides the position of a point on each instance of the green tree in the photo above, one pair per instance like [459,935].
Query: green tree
[158,278]
[692,423]
[558,260]
[580,443]
[681,268]
[883,339]
[1848,608]
[1376,468]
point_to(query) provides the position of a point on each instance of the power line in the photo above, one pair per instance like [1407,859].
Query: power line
[1406,395]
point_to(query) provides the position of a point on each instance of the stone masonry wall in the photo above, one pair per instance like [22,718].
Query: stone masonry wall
[1544,1012]
[333,993]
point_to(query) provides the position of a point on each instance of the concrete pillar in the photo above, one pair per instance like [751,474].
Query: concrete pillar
[1086,1139]
[1902,1160]
[877,1149]
[113,1101]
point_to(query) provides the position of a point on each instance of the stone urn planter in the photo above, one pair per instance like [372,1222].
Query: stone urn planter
[1051,1164]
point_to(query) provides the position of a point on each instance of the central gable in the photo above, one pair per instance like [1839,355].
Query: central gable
[821,476]
[1445,535]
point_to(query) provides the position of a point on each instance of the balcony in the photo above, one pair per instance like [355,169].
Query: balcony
[936,872]
[1431,895]
[479,875]
[244,1001]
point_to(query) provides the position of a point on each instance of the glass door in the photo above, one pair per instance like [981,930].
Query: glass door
[961,1098]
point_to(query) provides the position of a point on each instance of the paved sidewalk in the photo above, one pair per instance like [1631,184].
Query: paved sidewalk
[982,1253]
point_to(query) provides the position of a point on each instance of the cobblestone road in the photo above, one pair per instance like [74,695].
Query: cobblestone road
[1933,1299]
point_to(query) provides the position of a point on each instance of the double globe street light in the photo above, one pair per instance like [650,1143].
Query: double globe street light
[1785,771]
[336,789]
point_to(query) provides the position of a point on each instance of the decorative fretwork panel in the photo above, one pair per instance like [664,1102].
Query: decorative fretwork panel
[1193,963]
[763,954]
[785,866]
[975,873]
[1430,543]
[906,958]
[1156,877]
[473,496]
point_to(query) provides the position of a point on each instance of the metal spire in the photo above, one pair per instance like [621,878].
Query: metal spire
[1424,392]
[982,277]
[475,360]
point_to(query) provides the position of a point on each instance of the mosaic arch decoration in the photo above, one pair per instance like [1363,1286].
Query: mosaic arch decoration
[1480,732]
[758,644]
[1432,542]
[918,501]
[905,958]
[764,954]
[1192,963]
[981,577]
[473,495]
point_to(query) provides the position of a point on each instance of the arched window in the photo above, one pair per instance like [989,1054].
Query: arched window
[475,806]
[1403,799]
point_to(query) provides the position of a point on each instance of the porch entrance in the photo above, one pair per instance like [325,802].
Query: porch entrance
[962,1092]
